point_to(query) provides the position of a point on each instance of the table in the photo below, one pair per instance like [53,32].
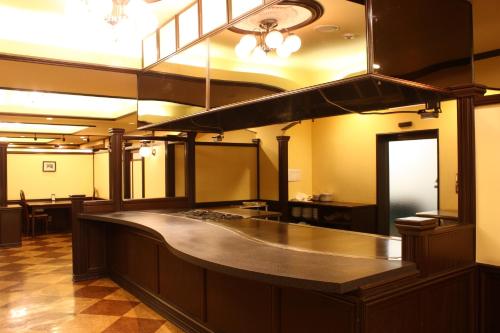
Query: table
[59,211]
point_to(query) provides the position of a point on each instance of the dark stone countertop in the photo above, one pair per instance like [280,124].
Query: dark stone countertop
[325,260]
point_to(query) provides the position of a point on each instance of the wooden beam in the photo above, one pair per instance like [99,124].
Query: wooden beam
[283,175]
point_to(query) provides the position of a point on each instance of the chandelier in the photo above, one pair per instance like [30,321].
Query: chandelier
[268,39]
[118,12]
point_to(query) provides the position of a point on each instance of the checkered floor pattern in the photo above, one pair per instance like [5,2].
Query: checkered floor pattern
[37,295]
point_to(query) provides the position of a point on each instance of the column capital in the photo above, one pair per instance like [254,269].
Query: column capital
[116,131]
[469,90]
[283,138]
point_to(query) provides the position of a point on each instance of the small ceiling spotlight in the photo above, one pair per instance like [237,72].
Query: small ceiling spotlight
[430,112]
[218,138]
[63,138]
[35,138]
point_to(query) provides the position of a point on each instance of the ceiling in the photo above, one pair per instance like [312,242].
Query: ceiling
[54,29]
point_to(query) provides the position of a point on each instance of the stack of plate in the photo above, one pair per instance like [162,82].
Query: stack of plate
[296,211]
[307,213]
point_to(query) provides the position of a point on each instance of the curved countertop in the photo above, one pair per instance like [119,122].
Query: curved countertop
[284,254]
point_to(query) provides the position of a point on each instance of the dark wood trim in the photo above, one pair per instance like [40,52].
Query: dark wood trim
[115,166]
[3,174]
[45,153]
[257,143]
[222,203]
[466,142]
[65,63]
[487,100]
[382,173]
[283,175]
[190,158]
[170,169]
[226,144]
[156,203]
[127,158]
[169,138]
[487,54]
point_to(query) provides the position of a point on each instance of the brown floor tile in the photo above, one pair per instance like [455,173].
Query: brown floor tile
[83,323]
[168,327]
[104,283]
[121,295]
[95,291]
[11,259]
[134,325]
[38,295]
[13,267]
[110,308]
[143,311]
[52,255]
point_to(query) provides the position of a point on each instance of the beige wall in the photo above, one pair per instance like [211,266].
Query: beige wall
[344,153]
[488,184]
[73,175]
[225,173]
[101,174]
[155,172]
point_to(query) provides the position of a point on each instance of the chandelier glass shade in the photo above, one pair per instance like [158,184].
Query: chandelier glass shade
[266,40]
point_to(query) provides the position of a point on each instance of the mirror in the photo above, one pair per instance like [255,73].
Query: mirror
[260,55]
[265,53]
[153,169]
[174,88]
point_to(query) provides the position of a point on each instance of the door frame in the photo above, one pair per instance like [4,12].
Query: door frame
[382,178]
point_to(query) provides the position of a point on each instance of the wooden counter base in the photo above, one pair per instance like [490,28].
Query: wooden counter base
[202,300]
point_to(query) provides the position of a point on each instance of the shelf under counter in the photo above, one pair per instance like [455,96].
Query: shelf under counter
[338,215]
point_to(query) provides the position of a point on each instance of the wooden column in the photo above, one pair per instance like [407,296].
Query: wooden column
[77,234]
[115,166]
[283,175]
[170,169]
[3,174]
[191,169]
[466,151]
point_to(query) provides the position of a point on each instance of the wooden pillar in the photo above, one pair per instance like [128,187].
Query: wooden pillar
[127,159]
[257,143]
[283,175]
[466,151]
[3,174]
[415,233]
[115,166]
[170,169]
[191,169]
[77,234]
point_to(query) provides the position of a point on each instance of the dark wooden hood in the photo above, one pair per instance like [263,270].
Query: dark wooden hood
[363,93]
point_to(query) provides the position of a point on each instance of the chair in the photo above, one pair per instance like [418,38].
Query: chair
[32,217]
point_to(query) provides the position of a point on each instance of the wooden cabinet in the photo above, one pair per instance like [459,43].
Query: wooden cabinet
[10,226]
[337,215]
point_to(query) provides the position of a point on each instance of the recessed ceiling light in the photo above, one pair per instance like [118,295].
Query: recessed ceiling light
[49,118]
[131,123]
[376,66]
[327,28]
[349,36]
[40,128]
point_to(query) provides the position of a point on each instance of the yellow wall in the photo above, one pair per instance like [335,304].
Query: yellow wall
[101,174]
[488,184]
[73,175]
[180,171]
[344,153]
[155,172]
[299,157]
[225,173]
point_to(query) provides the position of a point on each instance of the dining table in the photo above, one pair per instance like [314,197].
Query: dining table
[59,212]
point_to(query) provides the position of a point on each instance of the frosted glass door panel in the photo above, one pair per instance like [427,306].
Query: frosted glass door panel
[413,175]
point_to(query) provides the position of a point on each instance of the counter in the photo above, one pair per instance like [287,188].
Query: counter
[274,252]
[252,275]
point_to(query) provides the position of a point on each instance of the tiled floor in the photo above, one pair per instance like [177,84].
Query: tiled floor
[37,295]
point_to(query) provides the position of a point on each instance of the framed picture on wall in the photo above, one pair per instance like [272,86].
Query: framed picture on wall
[49,166]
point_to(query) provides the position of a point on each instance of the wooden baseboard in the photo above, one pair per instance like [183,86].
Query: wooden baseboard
[17,244]
[165,309]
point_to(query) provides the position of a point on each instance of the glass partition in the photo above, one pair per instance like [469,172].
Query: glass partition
[153,169]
